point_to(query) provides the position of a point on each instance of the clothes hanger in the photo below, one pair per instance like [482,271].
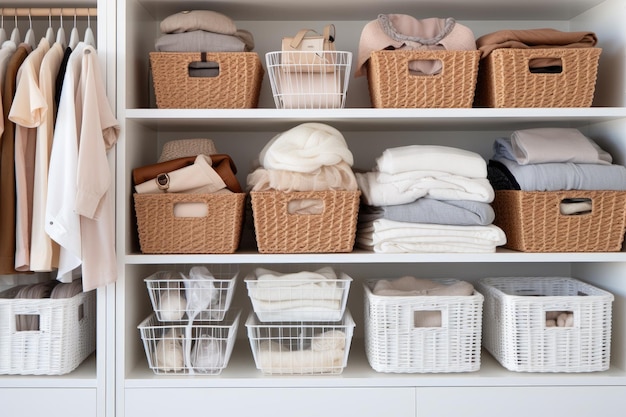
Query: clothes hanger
[74,37]
[15,34]
[30,33]
[61,39]
[50,31]
[89,38]
[3,33]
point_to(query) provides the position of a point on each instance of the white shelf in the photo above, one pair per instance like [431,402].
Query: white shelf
[365,257]
[242,373]
[84,376]
[369,9]
[369,118]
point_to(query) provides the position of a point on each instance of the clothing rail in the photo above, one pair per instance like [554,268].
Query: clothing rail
[48,11]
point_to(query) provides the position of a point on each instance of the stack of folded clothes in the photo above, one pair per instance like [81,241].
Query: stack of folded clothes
[308,157]
[553,159]
[427,198]
[202,31]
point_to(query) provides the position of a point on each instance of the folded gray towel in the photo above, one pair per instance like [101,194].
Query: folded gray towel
[199,41]
[431,211]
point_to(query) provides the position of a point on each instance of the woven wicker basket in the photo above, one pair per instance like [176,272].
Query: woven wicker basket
[162,232]
[278,231]
[394,343]
[516,330]
[237,86]
[392,86]
[66,335]
[532,221]
[504,79]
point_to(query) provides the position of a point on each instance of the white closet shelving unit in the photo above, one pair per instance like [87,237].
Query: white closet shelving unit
[85,392]
[241,389]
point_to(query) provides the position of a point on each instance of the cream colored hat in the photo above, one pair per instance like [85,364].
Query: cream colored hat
[182,148]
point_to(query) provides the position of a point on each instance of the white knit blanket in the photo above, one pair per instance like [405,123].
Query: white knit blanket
[388,236]
[305,148]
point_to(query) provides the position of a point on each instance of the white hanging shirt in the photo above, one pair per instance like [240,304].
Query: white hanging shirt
[62,220]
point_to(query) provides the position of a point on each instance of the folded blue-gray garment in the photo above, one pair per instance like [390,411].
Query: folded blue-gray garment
[559,176]
[431,211]
[199,41]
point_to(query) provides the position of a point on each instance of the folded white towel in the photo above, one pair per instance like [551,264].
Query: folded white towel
[544,145]
[383,189]
[432,158]
[400,237]
[305,148]
[266,278]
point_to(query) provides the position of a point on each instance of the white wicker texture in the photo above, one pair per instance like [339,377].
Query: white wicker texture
[297,83]
[211,345]
[397,342]
[170,290]
[300,348]
[517,334]
[286,299]
[66,335]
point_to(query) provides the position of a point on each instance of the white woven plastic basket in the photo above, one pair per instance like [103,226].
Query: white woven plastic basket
[66,334]
[299,84]
[398,341]
[520,336]
[300,348]
[207,351]
[170,291]
[295,299]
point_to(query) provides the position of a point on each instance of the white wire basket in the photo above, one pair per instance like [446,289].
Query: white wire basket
[300,348]
[180,349]
[519,332]
[293,297]
[65,333]
[299,82]
[423,334]
[173,294]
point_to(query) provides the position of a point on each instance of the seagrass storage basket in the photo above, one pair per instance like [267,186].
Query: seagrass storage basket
[298,298]
[180,349]
[300,348]
[505,78]
[279,230]
[400,336]
[170,291]
[237,85]
[532,221]
[520,334]
[65,337]
[392,85]
[161,231]
[299,83]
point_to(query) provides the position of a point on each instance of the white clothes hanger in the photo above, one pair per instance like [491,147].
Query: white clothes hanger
[3,33]
[50,31]
[16,36]
[89,38]
[74,37]
[30,33]
[61,39]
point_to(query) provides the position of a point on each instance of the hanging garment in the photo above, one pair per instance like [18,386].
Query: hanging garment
[62,222]
[6,52]
[44,252]
[94,200]
[7,166]
[27,112]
